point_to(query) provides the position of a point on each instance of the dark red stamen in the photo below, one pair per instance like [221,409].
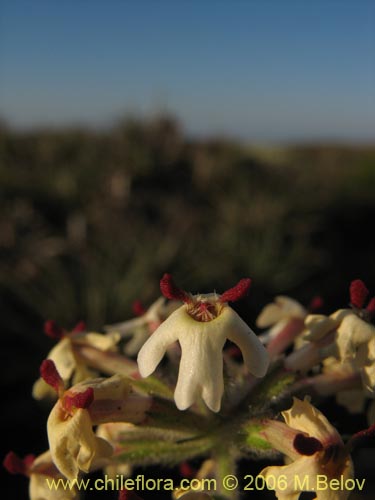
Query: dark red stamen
[307,445]
[80,327]
[315,303]
[15,465]
[128,495]
[358,293]
[138,308]
[171,291]
[371,307]
[237,292]
[53,330]
[80,400]
[186,470]
[363,435]
[50,375]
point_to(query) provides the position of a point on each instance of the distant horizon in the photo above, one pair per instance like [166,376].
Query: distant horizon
[207,136]
[256,70]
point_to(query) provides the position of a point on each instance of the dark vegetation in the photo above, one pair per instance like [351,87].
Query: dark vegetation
[90,220]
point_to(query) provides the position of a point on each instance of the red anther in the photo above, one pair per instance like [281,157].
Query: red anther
[186,470]
[80,400]
[15,465]
[358,293]
[237,292]
[53,330]
[138,308]
[315,303]
[50,375]
[371,307]
[128,495]
[307,445]
[80,327]
[171,291]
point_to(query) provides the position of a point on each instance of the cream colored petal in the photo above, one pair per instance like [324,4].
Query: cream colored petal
[304,417]
[287,479]
[283,307]
[269,315]
[290,307]
[352,333]
[42,390]
[154,349]
[318,326]
[254,354]
[73,444]
[63,358]
[342,494]
[98,340]
[39,489]
[201,365]
[125,328]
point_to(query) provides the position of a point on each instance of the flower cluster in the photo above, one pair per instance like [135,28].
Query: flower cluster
[187,381]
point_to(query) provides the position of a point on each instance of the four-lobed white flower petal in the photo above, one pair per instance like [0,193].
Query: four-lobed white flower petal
[202,342]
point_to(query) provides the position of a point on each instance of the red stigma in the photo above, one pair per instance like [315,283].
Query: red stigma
[15,465]
[138,308]
[237,292]
[358,293]
[53,330]
[307,445]
[315,303]
[80,400]
[128,495]
[171,291]
[80,327]
[51,376]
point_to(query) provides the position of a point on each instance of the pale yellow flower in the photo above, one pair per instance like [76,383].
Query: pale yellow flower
[73,444]
[316,453]
[282,309]
[139,329]
[69,366]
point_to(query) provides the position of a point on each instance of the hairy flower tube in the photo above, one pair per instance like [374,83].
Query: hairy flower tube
[314,448]
[202,325]
[285,319]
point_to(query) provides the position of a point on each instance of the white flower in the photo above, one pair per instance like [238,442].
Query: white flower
[202,326]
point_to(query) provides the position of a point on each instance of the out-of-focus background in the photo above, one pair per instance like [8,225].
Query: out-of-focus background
[215,140]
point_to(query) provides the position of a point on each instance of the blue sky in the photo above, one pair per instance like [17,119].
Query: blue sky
[260,70]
